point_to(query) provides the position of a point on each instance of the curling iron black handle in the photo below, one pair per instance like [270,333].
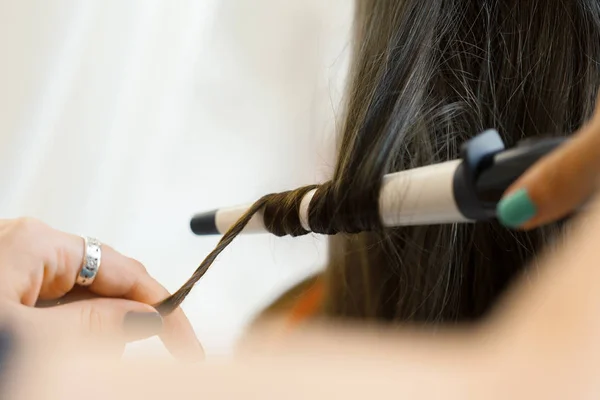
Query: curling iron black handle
[507,166]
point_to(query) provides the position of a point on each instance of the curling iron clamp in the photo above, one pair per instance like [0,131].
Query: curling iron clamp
[464,190]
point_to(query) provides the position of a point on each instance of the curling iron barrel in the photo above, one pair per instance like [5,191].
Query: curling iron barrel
[457,191]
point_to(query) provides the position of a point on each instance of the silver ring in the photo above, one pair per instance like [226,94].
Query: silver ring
[91,261]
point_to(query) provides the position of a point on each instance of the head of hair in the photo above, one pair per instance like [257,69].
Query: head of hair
[426,76]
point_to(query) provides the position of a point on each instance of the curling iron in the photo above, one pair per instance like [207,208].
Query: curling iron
[464,190]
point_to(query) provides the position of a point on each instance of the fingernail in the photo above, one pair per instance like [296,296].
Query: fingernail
[516,209]
[142,324]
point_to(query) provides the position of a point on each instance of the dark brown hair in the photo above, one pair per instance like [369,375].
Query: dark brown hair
[426,76]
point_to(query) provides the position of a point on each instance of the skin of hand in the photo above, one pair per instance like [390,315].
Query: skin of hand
[39,265]
[557,184]
[541,342]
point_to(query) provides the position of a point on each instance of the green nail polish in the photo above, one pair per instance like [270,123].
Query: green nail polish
[516,209]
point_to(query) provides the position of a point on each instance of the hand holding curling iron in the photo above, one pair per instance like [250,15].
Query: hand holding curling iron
[558,183]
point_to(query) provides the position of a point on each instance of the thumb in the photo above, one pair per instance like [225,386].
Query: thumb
[557,184]
[118,319]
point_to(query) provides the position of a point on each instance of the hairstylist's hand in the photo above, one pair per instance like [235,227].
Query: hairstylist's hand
[38,263]
[557,184]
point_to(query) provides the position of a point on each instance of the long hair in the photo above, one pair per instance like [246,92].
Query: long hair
[426,76]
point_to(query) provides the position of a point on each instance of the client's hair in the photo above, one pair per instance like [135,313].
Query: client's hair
[426,76]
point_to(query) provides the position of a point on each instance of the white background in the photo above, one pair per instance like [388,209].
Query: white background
[121,119]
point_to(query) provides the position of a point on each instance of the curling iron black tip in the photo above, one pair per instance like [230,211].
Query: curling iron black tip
[204,223]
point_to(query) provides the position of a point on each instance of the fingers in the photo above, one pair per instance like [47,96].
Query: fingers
[124,277]
[63,261]
[126,319]
[178,335]
[557,185]
[98,322]
[45,263]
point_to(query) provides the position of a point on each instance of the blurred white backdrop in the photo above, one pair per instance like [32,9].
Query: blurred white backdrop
[121,119]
